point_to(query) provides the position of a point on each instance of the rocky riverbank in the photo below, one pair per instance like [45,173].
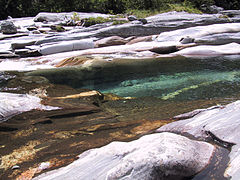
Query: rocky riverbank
[50,110]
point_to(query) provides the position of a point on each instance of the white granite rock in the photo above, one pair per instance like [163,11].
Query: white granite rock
[155,156]
[220,124]
[13,104]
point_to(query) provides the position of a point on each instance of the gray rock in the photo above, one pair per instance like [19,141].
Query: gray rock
[27,53]
[231,13]
[199,31]
[186,40]
[58,17]
[110,41]
[36,32]
[65,37]
[156,156]
[155,25]
[67,46]
[7,27]
[132,18]
[222,125]
[13,104]
[134,40]
[219,39]
[211,9]
[32,28]
[143,20]
[20,45]
[8,55]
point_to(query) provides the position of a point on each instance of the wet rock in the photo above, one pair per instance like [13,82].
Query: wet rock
[7,27]
[156,156]
[220,125]
[110,41]
[100,71]
[164,49]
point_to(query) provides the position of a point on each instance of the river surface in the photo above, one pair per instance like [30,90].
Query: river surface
[132,107]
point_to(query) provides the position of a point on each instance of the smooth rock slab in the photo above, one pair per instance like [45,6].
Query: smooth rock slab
[199,31]
[67,46]
[222,125]
[155,156]
[55,17]
[13,104]
[210,50]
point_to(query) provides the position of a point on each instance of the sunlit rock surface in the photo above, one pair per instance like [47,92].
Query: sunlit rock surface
[156,156]
[222,125]
[199,31]
[13,104]
[211,50]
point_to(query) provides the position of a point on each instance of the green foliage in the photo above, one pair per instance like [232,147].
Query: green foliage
[185,6]
[98,20]
[75,17]
[117,22]
[20,8]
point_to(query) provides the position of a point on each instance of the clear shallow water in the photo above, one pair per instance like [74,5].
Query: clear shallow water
[187,85]
[201,79]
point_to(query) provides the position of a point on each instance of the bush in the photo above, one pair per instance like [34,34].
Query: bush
[20,8]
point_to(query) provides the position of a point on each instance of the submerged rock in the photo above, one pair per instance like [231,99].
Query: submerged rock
[218,124]
[156,156]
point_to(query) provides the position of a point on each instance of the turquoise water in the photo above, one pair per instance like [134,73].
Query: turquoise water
[203,79]
[170,86]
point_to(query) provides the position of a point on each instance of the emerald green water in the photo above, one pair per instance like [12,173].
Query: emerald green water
[202,79]
[186,85]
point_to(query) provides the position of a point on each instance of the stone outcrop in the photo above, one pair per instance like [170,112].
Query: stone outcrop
[13,104]
[156,156]
[57,17]
[67,46]
[7,27]
[218,124]
[110,41]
